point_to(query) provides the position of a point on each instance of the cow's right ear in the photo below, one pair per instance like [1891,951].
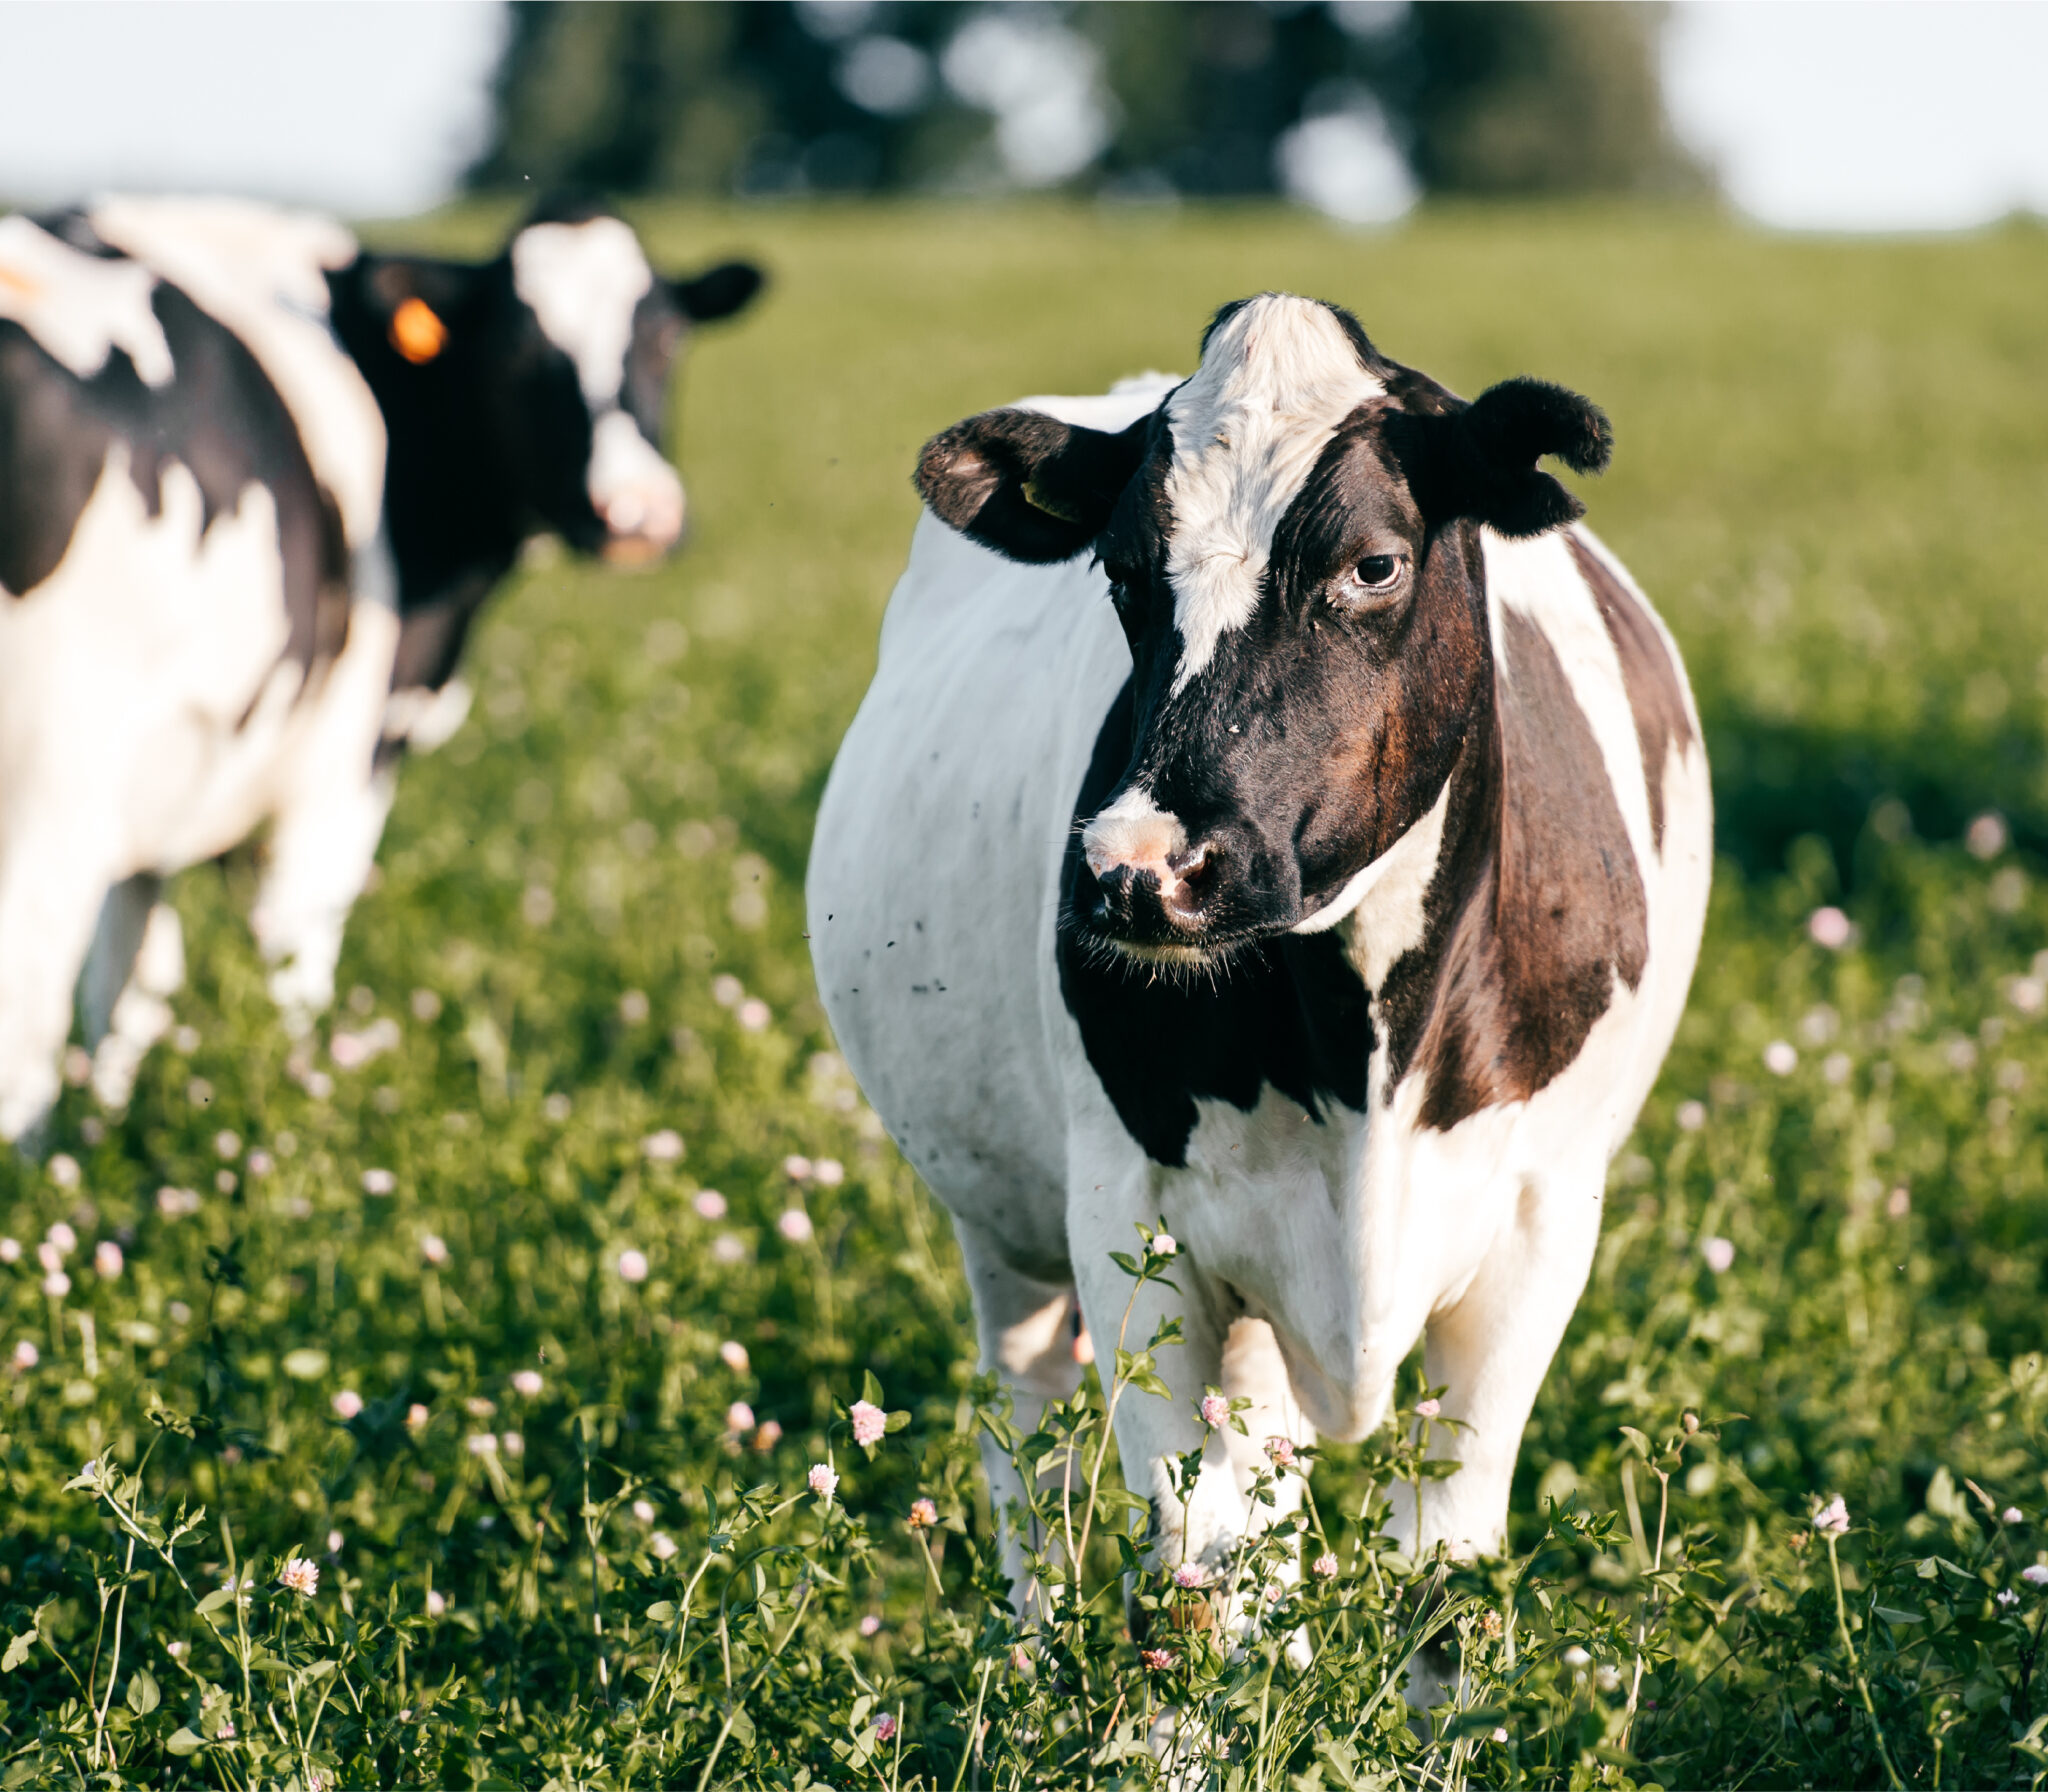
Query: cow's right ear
[1029,486]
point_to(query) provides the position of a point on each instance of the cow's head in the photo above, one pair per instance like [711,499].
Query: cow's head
[1292,549]
[542,375]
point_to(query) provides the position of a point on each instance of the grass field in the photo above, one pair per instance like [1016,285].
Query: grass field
[442,1303]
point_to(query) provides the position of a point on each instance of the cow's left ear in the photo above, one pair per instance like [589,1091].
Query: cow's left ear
[1481,461]
[718,292]
[1029,486]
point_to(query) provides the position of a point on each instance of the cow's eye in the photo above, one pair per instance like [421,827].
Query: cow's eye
[1373,580]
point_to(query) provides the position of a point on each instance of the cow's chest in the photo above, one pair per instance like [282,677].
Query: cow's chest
[1264,1199]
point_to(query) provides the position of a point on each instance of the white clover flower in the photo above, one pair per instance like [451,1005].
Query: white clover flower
[1779,1058]
[1829,928]
[1692,1116]
[632,1265]
[2035,1574]
[482,1443]
[739,1416]
[644,1511]
[733,1354]
[1833,1518]
[1163,1245]
[26,1355]
[708,1204]
[61,1238]
[527,1383]
[1719,1254]
[662,1545]
[1324,1567]
[828,1172]
[1428,1409]
[1215,1410]
[56,1284]
[300,1576]
[10,1250]
[379,1182]
[663,1147]
[869,1422]
[107,1261]
[1575,1657]
[795,1225]
[822,1481]
[347,1404]
[434,1248]
[1189,1574]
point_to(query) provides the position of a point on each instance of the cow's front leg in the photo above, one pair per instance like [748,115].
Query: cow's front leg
[1027,1341]
[52,885]
[321,851]
[137,963]
[1198,1517]
[1490,1352]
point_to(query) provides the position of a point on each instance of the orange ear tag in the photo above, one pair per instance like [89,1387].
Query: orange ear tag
[416,333]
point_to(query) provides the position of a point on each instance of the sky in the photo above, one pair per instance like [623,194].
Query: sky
[1861,115]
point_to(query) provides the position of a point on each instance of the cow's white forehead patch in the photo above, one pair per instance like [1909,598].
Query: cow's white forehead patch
[1274,383]
[583,282]
[80,307]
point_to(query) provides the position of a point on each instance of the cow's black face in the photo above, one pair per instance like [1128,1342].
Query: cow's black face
[1290,545]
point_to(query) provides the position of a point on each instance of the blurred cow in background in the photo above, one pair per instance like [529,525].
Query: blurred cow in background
[255,483]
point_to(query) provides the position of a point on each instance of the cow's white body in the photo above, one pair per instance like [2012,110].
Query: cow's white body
[1315,1253]
[148,718]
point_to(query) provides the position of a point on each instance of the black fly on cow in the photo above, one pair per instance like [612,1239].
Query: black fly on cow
[255,484]
[1291,822]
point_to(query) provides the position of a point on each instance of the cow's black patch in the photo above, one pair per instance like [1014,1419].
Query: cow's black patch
[219,417]
[1289,1011]
[1537,907]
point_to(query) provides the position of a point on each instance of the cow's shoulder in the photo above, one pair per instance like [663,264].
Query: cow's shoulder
[1290,1012]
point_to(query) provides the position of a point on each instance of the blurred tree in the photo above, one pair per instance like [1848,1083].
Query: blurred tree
[1505,97]
[1177,96]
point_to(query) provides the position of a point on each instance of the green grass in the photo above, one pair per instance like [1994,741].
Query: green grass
[1829,475]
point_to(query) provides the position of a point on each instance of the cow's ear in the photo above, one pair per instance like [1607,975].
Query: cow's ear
[415,303]
[1026,484]
[1481,461]
[718,292]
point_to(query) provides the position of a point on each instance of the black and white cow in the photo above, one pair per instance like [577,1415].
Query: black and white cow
[254,484]
[1296,828]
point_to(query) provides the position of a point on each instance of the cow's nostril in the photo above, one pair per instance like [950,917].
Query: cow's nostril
[1198,868]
